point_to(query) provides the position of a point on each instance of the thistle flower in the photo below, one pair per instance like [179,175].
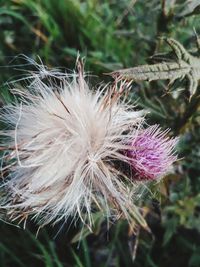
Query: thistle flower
[152,153]
[61,147]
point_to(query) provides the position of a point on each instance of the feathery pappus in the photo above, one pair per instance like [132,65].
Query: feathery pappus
[61,144]
[62,148]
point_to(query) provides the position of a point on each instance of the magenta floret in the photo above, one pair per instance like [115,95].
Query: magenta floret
[152,153]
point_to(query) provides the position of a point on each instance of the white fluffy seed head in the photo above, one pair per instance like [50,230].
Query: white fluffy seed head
[62,146]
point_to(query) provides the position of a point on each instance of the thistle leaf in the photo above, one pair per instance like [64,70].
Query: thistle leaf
[184,66]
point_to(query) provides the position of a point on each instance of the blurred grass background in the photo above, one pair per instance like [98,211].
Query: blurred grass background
[112,34]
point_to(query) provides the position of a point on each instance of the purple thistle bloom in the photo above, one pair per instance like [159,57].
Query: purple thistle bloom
[152,153]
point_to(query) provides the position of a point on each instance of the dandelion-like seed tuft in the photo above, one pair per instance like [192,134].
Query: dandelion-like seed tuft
[61,148]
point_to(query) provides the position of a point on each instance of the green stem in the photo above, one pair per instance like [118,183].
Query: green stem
[191,108]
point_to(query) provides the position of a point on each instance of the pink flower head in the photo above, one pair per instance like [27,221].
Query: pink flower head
[152,153]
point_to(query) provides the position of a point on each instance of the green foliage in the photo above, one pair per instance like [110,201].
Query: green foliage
[113,35]
[184,65]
